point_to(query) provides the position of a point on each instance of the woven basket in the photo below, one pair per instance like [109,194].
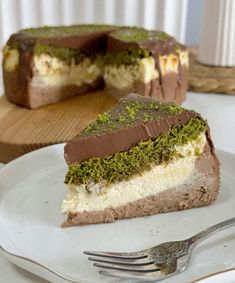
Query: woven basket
[204,78]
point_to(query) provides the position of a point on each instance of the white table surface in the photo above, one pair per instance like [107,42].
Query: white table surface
[217,108]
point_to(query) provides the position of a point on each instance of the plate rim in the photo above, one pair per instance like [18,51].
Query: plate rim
[213,274]
[8,254]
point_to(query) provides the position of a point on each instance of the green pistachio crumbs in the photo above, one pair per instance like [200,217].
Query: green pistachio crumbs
[131,113]
[128,34]
[135,34]
[127,57]
[54,31]
[65,54]
[137,159]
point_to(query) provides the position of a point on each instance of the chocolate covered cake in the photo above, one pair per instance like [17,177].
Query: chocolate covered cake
[147,62]
[45,65]
[141,158]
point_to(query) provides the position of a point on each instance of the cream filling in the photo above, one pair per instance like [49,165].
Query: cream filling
[125,76]
[10,59]
[51,71]
[169,63]
[184,57]
[159,178]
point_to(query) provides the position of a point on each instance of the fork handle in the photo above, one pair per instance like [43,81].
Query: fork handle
[212,230]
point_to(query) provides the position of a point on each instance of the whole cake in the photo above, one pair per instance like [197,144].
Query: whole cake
[48,64]
[141,158]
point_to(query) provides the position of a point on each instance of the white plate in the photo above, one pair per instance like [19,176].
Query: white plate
[31,192]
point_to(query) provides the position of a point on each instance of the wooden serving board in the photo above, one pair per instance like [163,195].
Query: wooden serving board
[23,130]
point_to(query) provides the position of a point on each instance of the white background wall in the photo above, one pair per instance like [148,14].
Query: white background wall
[172,16]
[194,16]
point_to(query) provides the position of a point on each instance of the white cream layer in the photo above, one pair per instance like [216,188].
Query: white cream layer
[124,76]
[10,59]
[158,179]
[51,71]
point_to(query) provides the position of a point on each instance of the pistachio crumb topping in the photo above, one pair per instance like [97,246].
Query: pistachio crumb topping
[128,34]
[135,34]
[132,112]
[65,54]
[54,31]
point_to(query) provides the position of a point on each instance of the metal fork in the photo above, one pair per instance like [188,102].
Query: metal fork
[155,263]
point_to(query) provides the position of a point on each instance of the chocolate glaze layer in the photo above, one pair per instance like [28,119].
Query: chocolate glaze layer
[122,138]
[156,47]
[89,43]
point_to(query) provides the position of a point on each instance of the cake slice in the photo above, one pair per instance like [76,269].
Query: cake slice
[141,158]
[148,62]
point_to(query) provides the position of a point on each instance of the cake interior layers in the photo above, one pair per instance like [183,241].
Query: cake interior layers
[57,66]
[144,169]
[177,171]
[124,76]
[124,69]
[122,165]
[50,71]
[53,63]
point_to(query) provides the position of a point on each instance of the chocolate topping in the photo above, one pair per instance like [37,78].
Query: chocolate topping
[107,142]
[89,43]
[154,41]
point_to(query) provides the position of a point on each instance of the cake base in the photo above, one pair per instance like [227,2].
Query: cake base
[188,195]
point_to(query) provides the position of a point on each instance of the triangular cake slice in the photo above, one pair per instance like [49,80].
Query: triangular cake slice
[141,158]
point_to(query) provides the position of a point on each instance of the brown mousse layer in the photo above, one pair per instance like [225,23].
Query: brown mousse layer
[169,89]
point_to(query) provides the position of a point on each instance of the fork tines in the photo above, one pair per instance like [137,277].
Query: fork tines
[127,265]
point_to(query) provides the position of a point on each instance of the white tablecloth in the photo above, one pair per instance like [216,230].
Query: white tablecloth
[217,108]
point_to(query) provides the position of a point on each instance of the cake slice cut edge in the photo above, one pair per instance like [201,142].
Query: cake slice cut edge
[185,177]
